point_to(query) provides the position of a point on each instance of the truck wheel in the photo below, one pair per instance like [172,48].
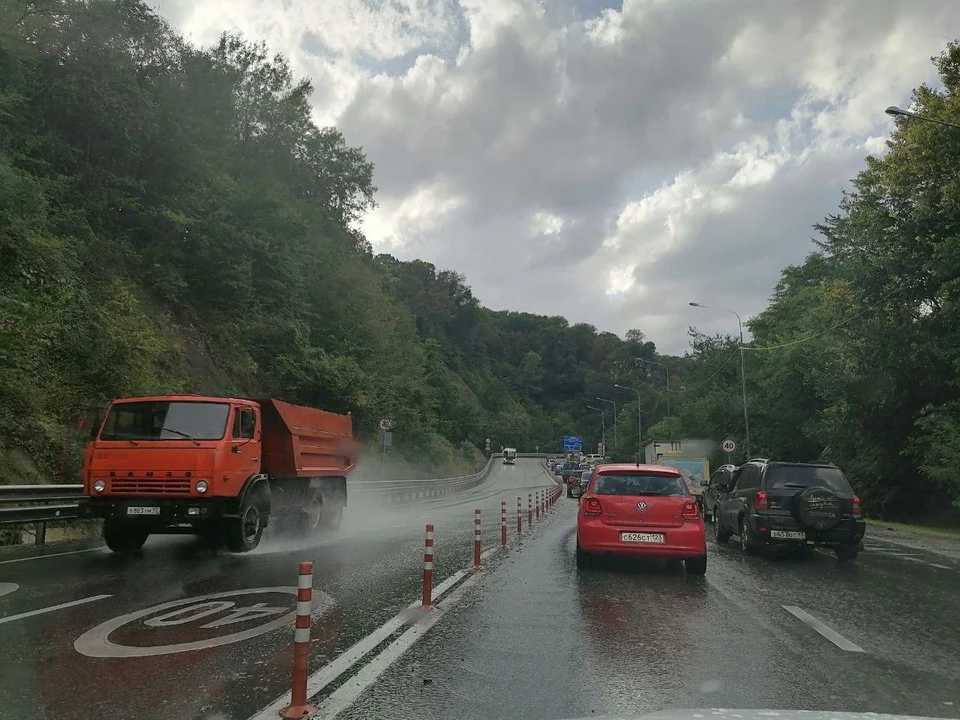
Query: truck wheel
[243,534]
[123,537]
[331,516]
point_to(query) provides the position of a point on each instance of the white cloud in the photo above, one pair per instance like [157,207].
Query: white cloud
[668,151]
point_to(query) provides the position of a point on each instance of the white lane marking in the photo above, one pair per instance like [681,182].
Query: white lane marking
[346,694]
[40,557]
[942,567]
[41,611]
[354,654]
[832,635]
[7,588]
[909,558]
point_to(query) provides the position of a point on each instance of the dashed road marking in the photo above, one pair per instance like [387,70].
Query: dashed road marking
[7,588]
[832,635]
[61,606]
[938,565]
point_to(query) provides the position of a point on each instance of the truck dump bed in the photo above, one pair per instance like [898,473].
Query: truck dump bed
[304,442]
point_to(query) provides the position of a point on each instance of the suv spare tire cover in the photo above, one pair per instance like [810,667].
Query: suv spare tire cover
[817,508]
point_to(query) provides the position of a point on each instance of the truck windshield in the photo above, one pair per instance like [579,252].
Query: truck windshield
[165,420]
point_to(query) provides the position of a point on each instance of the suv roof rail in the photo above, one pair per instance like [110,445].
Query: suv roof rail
[758,460]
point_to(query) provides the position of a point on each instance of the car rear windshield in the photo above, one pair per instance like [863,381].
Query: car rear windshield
[801,476]
[165,420]
[640,484]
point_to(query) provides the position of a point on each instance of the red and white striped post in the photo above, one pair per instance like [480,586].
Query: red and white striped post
[476,539]
[543,501]
[536,505]
[529,509]
[427,601]
[503,523]
[298,707]
[519,516]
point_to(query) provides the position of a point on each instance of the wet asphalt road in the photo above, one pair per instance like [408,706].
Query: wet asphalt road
[363,575]
[540,639]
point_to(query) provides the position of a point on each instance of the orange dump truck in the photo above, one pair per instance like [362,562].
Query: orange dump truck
[216,467]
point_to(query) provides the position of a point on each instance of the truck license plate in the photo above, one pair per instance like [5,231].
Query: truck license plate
[143,511]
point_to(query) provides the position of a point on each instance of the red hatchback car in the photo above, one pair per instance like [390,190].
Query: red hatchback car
[641,511]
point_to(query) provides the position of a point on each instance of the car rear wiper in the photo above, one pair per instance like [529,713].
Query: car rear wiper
[794,485]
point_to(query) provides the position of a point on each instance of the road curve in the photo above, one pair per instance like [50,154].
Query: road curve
[363,576]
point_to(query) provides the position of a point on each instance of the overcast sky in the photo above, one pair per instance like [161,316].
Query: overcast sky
[606,161]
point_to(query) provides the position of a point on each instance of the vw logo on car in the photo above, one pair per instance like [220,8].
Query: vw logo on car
[641,506]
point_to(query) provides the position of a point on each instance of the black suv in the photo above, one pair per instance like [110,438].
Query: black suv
[799,504]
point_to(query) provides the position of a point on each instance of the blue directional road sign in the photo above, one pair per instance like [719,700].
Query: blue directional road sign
[572,443]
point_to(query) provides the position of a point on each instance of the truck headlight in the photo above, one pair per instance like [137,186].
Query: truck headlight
[99,486]
[201,486]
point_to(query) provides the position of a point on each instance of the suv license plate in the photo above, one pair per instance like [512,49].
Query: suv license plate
[641,537]
[788,534]
[143,511]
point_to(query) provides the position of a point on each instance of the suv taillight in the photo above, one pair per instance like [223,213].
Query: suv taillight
[691,510]
[856,507]
[760,501]
[592,507]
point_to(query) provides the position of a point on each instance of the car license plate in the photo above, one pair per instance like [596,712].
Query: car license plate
[143,511]
[641,537]
[788,534]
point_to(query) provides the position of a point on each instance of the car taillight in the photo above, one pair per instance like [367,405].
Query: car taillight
[856,507]
[592,507]
[760,501]
[690,510]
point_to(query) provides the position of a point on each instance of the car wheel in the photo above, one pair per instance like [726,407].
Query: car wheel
[848,553]
[583,559]
[746,542]
[123,537]
[696,566]
[722,534]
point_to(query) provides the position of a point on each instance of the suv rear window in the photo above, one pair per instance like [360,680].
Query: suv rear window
[637,484]
[779,476]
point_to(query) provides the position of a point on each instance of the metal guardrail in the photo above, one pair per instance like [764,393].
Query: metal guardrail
[31,504]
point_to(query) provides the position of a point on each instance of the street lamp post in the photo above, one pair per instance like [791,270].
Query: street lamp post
[603,426]
[667,371]
[743,373]
[894,111]
[616,436]
[639,421]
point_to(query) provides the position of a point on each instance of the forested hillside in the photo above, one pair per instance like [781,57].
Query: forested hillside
[172,220]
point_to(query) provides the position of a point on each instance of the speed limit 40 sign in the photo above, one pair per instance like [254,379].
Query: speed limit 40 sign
[728,445]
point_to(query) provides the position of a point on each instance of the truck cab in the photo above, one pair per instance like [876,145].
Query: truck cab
[509,456]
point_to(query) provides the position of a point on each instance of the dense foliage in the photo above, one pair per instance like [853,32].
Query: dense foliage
[856,358]
[172,220]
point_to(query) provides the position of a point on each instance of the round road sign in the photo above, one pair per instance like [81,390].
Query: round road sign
[729,445]
[386,425]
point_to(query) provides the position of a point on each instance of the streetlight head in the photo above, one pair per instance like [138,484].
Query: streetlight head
[894,110]
[694,304]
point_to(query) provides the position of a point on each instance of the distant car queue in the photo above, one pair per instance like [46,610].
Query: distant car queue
[636,510]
